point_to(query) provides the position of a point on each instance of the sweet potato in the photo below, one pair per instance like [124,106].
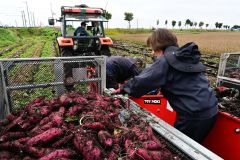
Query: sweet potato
[156,155]
[166,154]
[10,117]
[65,100]
[45,110]
[105,138]
[117,103]
[151,145]
[112,155]
[143,154]
[12,135]
[80,100]
[45,136]
[62,141]
[61,153]
[23,140]
[12,146]
[5,155]
[87,147]
[4,122]
[94,125]
[28,158]
[130,149]
[74,110]
[45,120]
[38,152]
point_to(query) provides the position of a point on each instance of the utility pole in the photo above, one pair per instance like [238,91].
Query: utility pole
[137,23]
[16,23]
[28,14]
[22,19]
[51,9]
[34,20]
[25,21]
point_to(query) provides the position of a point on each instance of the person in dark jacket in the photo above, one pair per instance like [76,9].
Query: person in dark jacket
[181,77]
[80,31]
[119,69]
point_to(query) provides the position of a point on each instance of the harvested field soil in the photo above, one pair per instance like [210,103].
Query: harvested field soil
[226,102]
[208,42]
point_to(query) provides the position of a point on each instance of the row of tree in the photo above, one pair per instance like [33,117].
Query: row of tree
[128,16]
[190,23]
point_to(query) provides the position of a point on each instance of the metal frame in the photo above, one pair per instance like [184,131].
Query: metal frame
[222,67]
[188,146]
[58,83]
[185,144]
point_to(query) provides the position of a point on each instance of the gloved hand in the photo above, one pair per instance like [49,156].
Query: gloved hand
[118,91]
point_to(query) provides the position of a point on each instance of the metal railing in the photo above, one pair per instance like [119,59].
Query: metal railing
[22,80]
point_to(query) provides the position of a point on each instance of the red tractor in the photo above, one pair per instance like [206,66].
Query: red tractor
[73,43]
[94,43]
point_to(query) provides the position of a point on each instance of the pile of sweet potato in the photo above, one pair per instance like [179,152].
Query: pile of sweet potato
[78,126]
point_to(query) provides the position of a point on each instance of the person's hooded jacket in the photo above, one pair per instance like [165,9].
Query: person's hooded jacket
[182,80]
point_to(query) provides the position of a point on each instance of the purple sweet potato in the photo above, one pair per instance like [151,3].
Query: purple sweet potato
[4,122]
[12,135]
[60,153]
[87,147]
[117,103]
[151,145]
[38,152]
[112,156]
[105,138]
[11,146]
[143,154]
[45,110]
[80,100]
[45,120]
[23,140]
[74,110]
[5,155]
[65,100]
[130,149]
[63,141]
[45,136]
[156,155]
[10,117]
[94,125]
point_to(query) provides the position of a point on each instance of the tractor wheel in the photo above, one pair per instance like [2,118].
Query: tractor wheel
[105,51]
[68,77]
[65,52]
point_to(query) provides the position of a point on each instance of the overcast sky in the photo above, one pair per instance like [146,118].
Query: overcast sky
[145,12]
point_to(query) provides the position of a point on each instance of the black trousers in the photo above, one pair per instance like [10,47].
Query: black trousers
[195,129]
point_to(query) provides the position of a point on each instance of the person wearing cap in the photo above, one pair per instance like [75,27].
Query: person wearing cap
[80,31]
[119,69]
[181,77]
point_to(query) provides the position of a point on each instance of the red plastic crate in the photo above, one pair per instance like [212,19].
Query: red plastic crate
[158,105]
[224,138]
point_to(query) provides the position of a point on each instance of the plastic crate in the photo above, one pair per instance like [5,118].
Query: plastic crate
[158,105]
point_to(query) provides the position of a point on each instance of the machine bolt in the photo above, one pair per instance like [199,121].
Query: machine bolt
[237,130]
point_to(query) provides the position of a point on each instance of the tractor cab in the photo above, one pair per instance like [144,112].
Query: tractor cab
[93,41]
